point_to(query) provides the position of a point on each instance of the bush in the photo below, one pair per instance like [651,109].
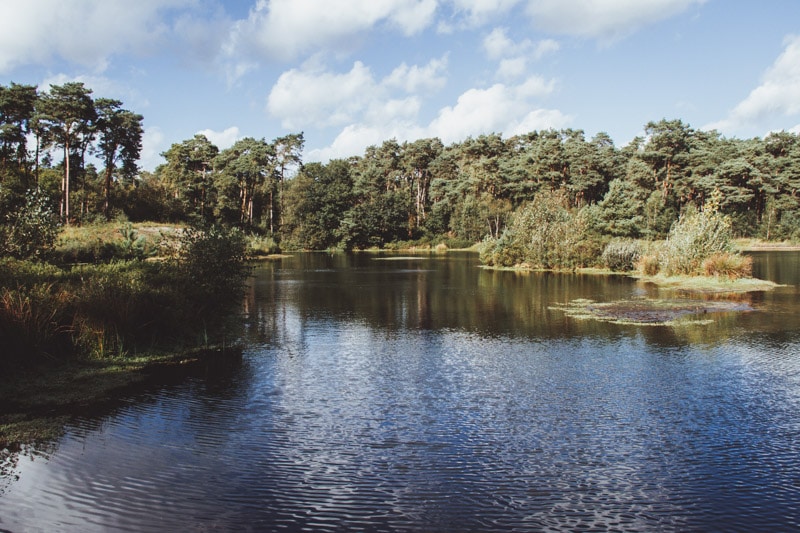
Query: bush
[262,245]
[456,243]
[648,265]
[732,266]
[544,234]
[621,255]
[133,245]
[214,260]
[30,230]
[695,237]
[505,251]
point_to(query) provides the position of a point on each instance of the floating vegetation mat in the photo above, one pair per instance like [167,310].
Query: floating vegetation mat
[650,312]
[401,258]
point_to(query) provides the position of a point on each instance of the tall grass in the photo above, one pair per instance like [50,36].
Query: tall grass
[621,255]
[95,243]
[731,266]
[121,307]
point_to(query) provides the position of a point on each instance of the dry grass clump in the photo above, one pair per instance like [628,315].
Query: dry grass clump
[648,265]
[731,266]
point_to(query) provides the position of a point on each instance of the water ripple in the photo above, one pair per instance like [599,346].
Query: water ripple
[335,424]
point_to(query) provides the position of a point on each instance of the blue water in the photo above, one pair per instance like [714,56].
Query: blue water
[425,394]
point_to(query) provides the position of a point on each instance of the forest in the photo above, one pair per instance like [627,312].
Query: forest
[419,192]
[546,199]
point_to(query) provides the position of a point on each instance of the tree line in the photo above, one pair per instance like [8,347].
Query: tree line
[421,191]
[65,120]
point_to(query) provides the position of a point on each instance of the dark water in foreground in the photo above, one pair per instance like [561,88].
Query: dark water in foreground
[426,394]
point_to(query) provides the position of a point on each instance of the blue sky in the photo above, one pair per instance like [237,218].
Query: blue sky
[351,73]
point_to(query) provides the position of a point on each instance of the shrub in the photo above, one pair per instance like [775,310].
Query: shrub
[262,245]
[49,313]
[648,265]
[621,255]
[505,251]
[544,234]
[457,243]
[694,237]
[214,260]
[133,245]
[732,266]
[30,230]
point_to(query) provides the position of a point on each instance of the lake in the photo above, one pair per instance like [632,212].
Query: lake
[388,392]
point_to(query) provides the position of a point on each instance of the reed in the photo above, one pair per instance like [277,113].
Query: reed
[123,307]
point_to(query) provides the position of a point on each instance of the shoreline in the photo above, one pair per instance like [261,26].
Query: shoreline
[707,284]
[36,405]
[754,245]
[691,284]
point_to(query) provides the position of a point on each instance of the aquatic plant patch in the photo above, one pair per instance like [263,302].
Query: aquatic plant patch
[650,312]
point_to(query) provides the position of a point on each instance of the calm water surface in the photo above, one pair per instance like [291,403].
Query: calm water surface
[393,393]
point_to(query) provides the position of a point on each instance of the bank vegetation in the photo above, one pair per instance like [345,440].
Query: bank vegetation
[667,203]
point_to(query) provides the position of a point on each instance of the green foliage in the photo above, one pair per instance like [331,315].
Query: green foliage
[123,306]
[695,237]
[505,251]
[380,220]
[395,191]
[30,230]
[214,262]
[261,245]
[621,255]
[544,234]
[318,200]
[96,310]
[104,242]
[150,199]
[188,171]
[133,245]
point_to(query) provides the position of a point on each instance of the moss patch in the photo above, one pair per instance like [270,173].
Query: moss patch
[650,312]
[709,284]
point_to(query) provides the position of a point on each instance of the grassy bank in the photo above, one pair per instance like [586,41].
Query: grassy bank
[85,324]
[682,283]
[36,405]
[56,312]
[708,284]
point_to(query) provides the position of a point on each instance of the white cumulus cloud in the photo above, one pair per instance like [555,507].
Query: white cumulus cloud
[414,79]
[314,96]
[153,144]
[514,56]
[222,139]
[369,111]
[85,32]
[286,29]
[500,108]
[777,96]
[606,20]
